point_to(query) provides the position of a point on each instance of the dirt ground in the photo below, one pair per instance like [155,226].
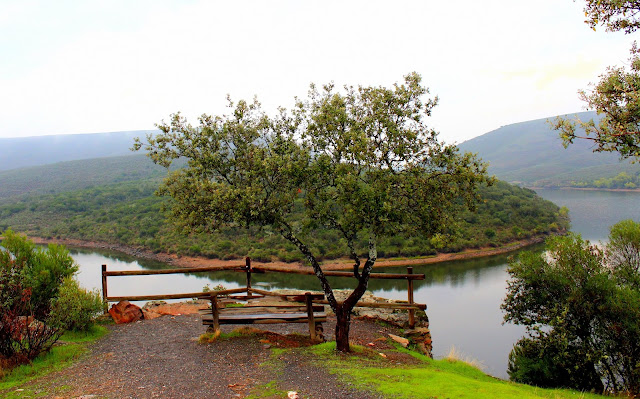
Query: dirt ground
[162,358]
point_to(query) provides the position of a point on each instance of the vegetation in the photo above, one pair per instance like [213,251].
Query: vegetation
[580,304]
[129,214]
[35,283]
[75,175]
[621,181]
[616,97]
[59,357]
[362,164]
[614,15]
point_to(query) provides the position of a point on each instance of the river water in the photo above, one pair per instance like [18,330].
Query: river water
[463,297]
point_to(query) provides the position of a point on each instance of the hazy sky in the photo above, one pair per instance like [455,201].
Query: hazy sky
[98,66]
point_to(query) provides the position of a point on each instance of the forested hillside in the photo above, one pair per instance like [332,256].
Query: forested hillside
[531,153]
[128,213]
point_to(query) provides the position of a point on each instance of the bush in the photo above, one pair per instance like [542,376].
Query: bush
[580,304]
[75,308]
[30,278]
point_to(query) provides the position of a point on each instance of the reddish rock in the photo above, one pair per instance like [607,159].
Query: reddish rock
[125,312]
[173,309]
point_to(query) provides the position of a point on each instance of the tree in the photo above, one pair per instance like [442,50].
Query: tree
[581,307]
[617,96]
[361,162]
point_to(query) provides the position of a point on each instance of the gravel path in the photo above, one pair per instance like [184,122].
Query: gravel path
[161,358]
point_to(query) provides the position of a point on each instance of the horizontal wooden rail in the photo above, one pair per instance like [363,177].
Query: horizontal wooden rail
[420,306]
[200,294]
[331,273]
[175,271]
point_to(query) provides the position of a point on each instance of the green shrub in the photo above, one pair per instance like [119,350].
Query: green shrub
[75,308]
[30,278]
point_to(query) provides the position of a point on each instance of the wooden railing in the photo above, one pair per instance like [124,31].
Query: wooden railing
[247,268]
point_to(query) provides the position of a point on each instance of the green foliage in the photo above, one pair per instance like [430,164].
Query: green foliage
[614,15]
[130,214]
[623,180]
[617,95]
[30,279]
[580,305]
[75,308]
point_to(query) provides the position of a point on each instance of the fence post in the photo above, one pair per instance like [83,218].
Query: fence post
[104,288]
[412,316]
[248,269]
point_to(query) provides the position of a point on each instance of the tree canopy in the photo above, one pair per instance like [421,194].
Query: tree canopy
[360,161]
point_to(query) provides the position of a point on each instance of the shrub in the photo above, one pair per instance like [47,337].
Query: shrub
[580,305]
[75,308]
[30,278]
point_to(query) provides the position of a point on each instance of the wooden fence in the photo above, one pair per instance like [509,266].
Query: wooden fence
[247,268]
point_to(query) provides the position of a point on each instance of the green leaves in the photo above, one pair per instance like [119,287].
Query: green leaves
[581,307]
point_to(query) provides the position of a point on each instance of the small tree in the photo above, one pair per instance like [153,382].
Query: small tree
[361,162]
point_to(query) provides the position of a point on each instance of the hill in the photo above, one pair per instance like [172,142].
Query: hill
[531,153]
[41,150]
[75,175]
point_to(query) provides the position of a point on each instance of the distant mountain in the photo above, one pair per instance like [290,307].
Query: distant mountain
[531,153]
[42,150]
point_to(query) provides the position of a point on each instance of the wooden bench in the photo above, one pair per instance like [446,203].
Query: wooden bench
[264,307]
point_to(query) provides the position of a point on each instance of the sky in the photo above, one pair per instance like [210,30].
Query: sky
[70,67]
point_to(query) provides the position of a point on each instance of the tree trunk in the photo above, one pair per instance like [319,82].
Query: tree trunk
[343,318]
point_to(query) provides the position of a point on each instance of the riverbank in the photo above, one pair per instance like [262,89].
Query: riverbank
[335,264]
[622,190]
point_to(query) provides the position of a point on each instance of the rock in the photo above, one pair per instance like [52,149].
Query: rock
[402,341]
[150,314]
[159,308]
[125,312]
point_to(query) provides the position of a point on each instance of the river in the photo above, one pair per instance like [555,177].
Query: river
[463,297]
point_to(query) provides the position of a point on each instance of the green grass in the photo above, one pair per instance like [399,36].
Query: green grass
[268,390]
[429,379]
[72,346]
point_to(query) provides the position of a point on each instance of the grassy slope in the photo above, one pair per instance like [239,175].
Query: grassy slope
[430,379]
[74,345]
